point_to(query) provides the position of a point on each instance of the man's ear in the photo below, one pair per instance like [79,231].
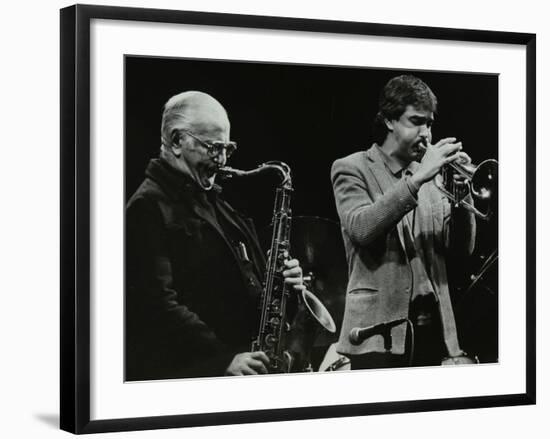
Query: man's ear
[389,124]
[176,143]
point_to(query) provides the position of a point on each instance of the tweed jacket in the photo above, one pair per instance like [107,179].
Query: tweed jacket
[371,206]
[190,306]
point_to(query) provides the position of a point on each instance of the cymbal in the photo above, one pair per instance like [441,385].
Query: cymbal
[318,242]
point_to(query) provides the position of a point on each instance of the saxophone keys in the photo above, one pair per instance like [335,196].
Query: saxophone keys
[270,340]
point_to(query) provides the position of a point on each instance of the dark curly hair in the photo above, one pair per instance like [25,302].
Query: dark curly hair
[399,92]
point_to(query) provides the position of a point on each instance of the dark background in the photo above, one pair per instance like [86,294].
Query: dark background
[308,116]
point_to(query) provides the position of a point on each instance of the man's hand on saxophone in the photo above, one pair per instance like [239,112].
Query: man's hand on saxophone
[293,274]
[248,363]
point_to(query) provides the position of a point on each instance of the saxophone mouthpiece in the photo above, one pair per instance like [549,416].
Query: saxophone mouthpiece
[227,172]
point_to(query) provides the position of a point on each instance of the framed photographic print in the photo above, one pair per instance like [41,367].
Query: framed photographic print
[304,206]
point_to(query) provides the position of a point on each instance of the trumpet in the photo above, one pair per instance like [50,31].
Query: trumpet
[481,183]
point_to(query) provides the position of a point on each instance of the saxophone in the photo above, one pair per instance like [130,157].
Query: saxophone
[273,319]
[274,322]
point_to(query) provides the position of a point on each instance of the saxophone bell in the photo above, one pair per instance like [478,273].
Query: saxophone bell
[309,323]
[316,308]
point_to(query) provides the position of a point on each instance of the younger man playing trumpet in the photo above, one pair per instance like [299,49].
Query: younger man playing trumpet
[396,229]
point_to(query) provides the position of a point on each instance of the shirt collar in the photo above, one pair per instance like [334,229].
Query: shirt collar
[393,165]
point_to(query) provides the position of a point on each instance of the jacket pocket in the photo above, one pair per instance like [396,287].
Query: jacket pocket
[362,307]
[366,289]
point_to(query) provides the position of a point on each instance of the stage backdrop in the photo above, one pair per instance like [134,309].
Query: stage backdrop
[308,116]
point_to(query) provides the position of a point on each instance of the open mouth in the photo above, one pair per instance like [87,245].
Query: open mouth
[210,170]
[419,146]
[422,144]
[207,177]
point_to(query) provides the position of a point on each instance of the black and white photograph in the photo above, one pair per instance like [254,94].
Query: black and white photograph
[298,218]
[292,219]
[275,219]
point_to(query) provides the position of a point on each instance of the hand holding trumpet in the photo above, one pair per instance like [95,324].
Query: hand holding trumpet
[445,151]
[480,181]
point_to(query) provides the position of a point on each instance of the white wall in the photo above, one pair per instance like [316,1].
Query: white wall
[29,235]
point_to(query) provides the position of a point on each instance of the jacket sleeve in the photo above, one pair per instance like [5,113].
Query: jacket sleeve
[364,216]
[165,338]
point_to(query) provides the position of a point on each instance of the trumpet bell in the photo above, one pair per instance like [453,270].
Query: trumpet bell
[484,180]
[482,183]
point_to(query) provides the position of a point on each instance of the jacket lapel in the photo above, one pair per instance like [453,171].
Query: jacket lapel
[208,216]
[246,226]
[385,183]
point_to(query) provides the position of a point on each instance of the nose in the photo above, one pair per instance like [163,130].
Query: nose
[221,158]
[425,132]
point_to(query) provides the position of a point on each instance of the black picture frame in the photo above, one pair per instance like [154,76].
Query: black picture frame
[76,211]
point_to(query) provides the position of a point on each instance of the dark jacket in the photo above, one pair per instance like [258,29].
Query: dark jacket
[190,306]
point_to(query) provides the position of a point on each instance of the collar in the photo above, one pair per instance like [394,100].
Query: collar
[175,182]
[393,165]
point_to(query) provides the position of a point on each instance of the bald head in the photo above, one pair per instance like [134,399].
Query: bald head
[195,111]
[189,121]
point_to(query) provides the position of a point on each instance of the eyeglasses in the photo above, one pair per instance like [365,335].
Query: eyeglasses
[216,147]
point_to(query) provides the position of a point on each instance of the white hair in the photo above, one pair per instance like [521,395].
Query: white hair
[182,110]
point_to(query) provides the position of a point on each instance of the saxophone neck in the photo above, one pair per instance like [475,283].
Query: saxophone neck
[282,169]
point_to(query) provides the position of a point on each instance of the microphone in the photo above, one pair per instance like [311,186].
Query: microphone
[359,335]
